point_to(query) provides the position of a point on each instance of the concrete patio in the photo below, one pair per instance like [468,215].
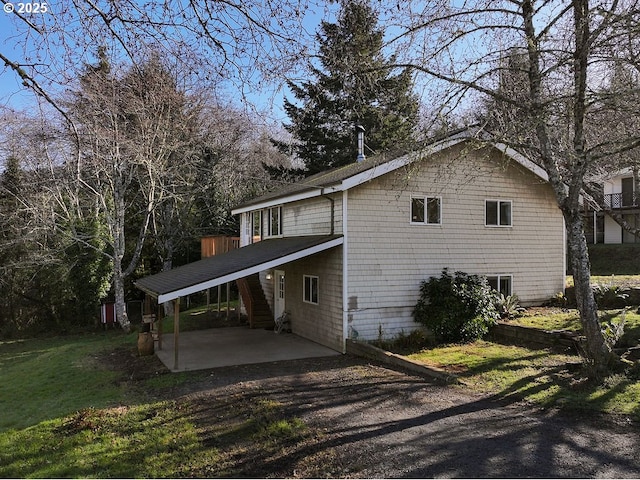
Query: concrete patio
[222,347]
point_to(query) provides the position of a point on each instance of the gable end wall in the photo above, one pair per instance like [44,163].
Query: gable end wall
[388,257]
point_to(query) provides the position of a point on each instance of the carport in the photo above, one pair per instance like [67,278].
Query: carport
[219,269]
[224,347]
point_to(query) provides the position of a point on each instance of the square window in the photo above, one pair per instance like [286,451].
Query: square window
[497,213]
[425,210]
[500,283]
[310,294]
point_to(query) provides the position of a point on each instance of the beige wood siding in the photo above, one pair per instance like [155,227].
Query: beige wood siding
[389,257]
[313,216]
[321,323]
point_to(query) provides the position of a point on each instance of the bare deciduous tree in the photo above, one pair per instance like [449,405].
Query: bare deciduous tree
[565,47]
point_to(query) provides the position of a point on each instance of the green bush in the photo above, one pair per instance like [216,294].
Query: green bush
[457,309]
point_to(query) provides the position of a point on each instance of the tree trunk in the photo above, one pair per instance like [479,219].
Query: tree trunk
[599,355]
[118,284]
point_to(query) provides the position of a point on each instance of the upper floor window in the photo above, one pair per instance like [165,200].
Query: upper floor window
[497,213]
[275,221]
[501,283]
[256,226]
[426,210]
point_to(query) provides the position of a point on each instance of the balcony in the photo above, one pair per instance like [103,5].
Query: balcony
[622,200]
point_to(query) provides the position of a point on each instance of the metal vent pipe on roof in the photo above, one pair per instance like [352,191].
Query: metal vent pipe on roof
[360,131]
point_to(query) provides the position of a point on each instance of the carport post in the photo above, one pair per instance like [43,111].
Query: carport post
[176,331]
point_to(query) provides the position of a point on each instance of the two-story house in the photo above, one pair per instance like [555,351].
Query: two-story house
[344,251]
[621,196]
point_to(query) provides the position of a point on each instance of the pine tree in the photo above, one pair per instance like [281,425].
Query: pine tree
[356,85]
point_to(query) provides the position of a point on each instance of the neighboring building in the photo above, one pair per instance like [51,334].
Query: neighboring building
[344,252]
[620,195]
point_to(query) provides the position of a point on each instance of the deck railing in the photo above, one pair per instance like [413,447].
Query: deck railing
[622,200]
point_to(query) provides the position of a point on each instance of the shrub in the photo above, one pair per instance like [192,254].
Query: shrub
[608,295]
[508,306]
[456,309]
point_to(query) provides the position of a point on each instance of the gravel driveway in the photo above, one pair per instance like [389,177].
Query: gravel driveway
[371,421]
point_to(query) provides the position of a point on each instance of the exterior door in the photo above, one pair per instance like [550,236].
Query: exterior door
[627,192]
[279,293]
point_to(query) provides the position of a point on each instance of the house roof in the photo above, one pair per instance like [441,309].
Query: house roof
[218,269]
[349,176]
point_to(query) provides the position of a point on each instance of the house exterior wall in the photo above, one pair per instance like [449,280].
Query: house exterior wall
[614,184]
[612,231]
[321,323]
[312,216]
[304,217]
[388,257]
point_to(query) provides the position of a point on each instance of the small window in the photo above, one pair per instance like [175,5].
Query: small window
[497,213]
[310,289]
[256,226]
[501,283]
[425,210]
[275,221]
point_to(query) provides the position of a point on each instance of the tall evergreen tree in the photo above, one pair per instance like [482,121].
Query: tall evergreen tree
[355,85]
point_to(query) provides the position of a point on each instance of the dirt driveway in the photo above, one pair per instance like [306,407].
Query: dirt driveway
[370,421]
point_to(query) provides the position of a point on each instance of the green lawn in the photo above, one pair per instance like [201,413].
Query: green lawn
[537,376]
[564,319]
[68,413]
[47,378]
[542,376]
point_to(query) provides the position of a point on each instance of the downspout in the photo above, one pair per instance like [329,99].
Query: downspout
[333,207]
[345,272]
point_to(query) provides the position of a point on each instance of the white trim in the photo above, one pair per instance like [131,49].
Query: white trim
[304,289]
[249,271]
[499,276]
[311,193]
[389,166]
[499,201]
[345,270]
[426,199]
[269,234]
[522,160]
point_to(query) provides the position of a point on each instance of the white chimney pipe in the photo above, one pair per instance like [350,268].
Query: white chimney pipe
[360,130]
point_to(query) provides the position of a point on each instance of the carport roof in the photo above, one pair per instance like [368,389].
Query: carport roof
[213,271]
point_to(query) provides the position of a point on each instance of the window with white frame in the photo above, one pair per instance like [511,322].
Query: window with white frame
[275,221]
[501,283]
[426,210]
[256,226]
[310,289]
[497,213]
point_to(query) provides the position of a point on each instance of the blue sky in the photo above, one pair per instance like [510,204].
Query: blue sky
[14,95]
[11,91]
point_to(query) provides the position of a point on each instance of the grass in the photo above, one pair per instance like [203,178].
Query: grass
[541,376]
[150,440]
[66,414]
[560,319]
[47,378]
[613,280]
[537,376]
